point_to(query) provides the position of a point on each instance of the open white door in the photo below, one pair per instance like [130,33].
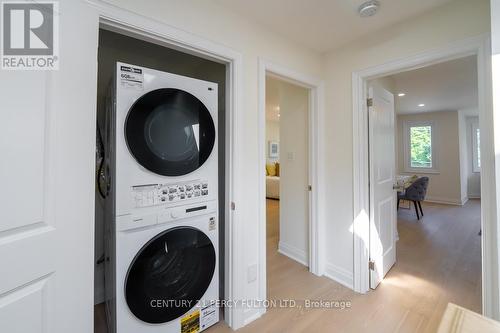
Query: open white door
[382,179]
[47,147]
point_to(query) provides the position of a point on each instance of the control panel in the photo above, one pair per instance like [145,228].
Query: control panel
[158,194]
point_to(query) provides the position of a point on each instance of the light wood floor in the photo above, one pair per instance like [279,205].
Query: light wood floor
[438,261]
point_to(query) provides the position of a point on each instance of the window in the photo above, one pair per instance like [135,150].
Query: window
[419,150]
[476,150]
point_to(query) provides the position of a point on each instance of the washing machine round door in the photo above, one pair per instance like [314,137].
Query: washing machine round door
[170,274]
[170,132]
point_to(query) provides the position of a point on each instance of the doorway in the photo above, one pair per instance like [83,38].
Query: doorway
[117,46]
[287,170]
[425,182]
[312,254]
[478,47]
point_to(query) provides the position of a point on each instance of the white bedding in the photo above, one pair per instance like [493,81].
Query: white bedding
[273,187]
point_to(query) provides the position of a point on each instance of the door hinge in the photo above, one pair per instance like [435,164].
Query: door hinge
[371,265]
[233,206]
[309,188]
[369,102]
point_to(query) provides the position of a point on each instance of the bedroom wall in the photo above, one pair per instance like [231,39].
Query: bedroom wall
[445,184]
[272,134]
[294,195]
[455,21]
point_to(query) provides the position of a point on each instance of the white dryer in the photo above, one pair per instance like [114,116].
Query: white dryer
[162,235]
[166,143]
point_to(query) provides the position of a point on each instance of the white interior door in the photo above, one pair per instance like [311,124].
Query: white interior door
[47,146]
[382,178]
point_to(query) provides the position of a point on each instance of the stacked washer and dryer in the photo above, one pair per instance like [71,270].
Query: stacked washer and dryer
[162,235]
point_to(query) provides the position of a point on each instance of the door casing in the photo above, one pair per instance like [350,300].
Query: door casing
[134,25]
[481,47]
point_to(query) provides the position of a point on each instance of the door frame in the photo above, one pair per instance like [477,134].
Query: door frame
[481,47]
[134,25]
[316,220]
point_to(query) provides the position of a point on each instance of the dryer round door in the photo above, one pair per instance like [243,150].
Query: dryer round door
[170,274]
[170,132]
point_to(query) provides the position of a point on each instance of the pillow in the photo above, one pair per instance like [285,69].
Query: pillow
[271,169]
[410,181]
[277,169]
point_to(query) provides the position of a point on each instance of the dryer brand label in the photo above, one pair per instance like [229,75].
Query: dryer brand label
[131,77]
[191,322]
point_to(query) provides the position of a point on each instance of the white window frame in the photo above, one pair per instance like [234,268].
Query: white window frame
[407,153]
[474,128]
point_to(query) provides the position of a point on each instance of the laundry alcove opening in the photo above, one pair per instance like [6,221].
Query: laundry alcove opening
[115,47]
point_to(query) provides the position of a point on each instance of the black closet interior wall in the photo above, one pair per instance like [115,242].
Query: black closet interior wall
[115,47]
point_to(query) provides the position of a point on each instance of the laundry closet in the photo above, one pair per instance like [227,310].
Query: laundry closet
[160,188]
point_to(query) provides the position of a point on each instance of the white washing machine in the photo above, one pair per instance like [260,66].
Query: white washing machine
[167,276]
[162,239]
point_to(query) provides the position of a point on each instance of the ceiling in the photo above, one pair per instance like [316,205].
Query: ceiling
[323,25]
[448,86]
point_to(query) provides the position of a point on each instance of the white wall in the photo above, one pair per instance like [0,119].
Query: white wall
[454,21]
[294,202]
[445,185]
[272,134]
[473,178]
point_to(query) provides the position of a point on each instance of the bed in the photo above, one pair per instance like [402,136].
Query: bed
[272,187]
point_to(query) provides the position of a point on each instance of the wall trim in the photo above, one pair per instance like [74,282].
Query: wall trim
[481,47]
[293,253]
[446,201]
[132,24]
[315,258]
[340,275]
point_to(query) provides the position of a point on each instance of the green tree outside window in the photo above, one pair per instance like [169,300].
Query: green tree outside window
[421,147]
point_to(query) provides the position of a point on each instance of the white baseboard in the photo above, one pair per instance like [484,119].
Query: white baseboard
[475,196]
[293,253]
[340,275]
[443,200]
[252,314]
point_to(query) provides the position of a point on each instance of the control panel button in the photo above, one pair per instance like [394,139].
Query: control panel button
[204,192]
[204,185]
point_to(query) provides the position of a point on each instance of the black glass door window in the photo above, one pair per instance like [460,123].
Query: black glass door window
[169,132]
[170,274]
